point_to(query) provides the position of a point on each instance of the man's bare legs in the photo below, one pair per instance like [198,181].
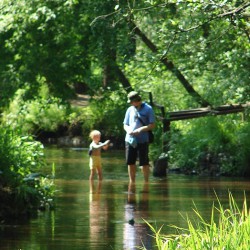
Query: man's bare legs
[132,173]
[145,170]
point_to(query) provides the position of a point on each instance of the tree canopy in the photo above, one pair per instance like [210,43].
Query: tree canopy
[196,51]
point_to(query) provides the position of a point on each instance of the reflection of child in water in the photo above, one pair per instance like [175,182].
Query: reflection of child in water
[95,154]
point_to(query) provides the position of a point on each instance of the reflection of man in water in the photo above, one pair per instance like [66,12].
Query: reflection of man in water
[136,232]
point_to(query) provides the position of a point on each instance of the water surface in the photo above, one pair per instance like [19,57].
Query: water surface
[112,214]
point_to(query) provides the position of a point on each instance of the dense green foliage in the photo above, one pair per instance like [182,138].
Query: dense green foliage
[38,44]
[52,114]
[41,113]
[23,188]
[110,119]
[65,42]
[230,231]
[212,145]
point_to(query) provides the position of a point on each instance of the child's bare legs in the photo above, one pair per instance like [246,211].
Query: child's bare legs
[91,186]
[99,173]
[92,174]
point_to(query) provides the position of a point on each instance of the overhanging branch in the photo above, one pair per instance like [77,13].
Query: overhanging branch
[170,66]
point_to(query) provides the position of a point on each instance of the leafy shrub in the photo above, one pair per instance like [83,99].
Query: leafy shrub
[38,114]
[217,137]
[241,148]
[22,186]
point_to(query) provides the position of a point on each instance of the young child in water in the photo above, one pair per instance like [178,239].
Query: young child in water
[95,154]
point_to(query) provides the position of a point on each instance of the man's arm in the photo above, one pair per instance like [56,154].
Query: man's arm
[148,127]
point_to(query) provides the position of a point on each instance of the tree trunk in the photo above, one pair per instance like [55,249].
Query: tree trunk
[123,79]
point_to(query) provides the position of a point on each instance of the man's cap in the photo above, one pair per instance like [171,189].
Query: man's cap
[133,96]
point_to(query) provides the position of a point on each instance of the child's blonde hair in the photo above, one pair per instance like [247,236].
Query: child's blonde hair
[94,133]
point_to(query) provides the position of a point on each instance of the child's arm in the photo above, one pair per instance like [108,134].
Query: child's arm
[103,145]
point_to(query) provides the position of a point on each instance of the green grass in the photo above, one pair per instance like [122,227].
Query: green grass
[229,231]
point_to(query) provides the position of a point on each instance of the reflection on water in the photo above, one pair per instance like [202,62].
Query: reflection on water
[98,215]
[110,214]
[135,231]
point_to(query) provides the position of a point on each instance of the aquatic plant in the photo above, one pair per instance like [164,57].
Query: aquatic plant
[230,230]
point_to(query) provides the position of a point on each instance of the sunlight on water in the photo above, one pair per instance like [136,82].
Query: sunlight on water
[111,214]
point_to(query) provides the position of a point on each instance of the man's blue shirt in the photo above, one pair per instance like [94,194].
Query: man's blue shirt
[146,114]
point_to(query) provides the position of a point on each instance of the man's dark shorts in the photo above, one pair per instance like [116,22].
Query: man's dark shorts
[141,151]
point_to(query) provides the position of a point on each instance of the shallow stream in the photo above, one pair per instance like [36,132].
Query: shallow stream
[112,214]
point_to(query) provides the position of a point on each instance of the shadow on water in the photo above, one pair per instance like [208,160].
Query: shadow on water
[110,214]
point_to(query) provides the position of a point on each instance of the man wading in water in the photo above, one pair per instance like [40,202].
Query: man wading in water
[139,119]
